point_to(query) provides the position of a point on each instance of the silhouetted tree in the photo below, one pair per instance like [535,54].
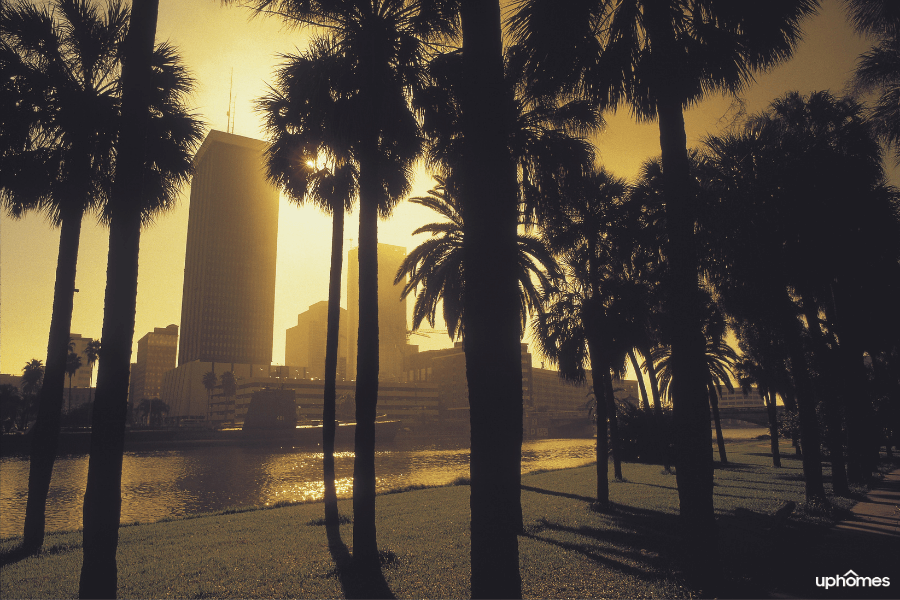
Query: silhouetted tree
[152,410]
[435,268]
[660,57]
[57,159]
[794,268]
[878,69]
[294,113]
[374,52]
[92,352]
[73,363]
[154,152]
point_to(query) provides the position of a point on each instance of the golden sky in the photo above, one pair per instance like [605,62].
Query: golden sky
[214,40]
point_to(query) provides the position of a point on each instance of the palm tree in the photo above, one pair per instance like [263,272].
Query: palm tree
[153,410]
[879,68]
[73,363]
[567,335]
[32,376]
[154,151]
[374,56]
[58,163]
[92,352]
[299,142]
[436,273]
[210,381]
[591,316]
[783,266]
[720,359]
[659,57]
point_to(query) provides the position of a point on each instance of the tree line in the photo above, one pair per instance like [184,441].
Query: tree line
[738,233]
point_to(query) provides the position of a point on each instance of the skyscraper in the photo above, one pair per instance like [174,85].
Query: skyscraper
[155,356]
[228,306]
[392,329]
[304,345]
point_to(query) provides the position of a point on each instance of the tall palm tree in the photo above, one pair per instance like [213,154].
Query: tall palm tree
[60,161]
[568,329]
[73,363]
[57,160]
[32,377]
[436,273]
[878,69]
[154,151]
[790,260]
[293,112]
[658,58]
[375,56]
[92,352]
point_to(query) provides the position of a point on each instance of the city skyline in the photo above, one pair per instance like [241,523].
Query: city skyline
[28,247]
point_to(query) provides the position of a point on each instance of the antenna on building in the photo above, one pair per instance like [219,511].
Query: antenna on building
[228,127]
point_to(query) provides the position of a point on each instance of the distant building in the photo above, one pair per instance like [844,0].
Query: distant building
[155,355]
[11,379]
[737,398]
[392,326]
[82,377]
[191,403]
[413,404]
[304,344]
[552,406]
[228,304]
[187,397]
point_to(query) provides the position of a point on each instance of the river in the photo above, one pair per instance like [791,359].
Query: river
[176,483]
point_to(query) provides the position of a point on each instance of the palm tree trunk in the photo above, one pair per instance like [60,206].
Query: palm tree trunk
[645,401]
[492,347]
[773,428]
[46,429]
[365,545]
[331,357]
[693,460]
[714,404]
[103,494]
[806,405]
[654,384]
[690,400]
[831,396]
[613,425]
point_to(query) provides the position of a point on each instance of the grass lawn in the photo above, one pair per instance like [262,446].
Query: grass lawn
[567,550]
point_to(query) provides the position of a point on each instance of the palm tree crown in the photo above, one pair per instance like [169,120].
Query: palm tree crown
[435,268]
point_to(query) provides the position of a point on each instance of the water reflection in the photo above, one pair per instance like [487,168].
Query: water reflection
[175,483]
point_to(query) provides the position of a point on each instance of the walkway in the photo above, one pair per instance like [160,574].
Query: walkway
[879,513]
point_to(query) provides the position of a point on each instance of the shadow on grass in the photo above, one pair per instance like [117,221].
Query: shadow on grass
[560,494]
[13,555]
[642,543]
[356,582]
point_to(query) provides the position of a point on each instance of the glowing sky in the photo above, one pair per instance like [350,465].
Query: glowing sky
[213,40]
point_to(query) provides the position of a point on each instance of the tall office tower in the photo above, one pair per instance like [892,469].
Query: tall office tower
[304,345]
[228,306]
[82,377]
[392,344]
[155,355]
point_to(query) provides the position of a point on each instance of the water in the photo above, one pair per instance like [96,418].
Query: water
[187,481]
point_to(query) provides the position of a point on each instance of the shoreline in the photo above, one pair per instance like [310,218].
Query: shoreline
[567,550]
